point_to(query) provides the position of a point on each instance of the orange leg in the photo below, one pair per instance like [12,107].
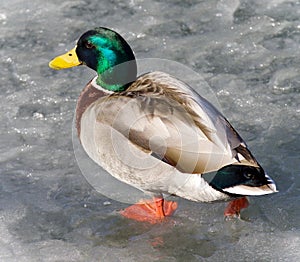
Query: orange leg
[150,211]
[234,207]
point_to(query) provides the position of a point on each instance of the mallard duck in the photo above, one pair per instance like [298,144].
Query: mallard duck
[155,133]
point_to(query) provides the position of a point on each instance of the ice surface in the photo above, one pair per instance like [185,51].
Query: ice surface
[247,51]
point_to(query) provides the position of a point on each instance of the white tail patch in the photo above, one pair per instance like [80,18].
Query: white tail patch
[251,191]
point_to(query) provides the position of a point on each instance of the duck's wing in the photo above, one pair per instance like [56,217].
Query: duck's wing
[167,119]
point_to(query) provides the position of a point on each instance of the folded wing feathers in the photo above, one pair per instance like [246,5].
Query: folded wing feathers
[158,84]
[169,109]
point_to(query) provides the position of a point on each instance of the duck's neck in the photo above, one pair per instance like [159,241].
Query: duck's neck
[118,77]
[108,86]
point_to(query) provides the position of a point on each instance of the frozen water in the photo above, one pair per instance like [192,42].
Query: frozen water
[248,52]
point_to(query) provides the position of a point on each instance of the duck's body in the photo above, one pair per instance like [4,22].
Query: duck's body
[127,142]
[157,134]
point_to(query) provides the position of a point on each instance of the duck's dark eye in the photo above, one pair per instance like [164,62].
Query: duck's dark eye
[89,45]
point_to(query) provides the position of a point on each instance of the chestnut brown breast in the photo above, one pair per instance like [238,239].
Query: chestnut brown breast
[88,96]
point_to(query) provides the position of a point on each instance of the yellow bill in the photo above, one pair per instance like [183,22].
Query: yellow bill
[66,60]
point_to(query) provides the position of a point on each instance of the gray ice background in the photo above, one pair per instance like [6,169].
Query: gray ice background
[248,53]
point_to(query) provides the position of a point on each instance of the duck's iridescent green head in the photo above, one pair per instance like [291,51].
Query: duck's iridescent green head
[106,52]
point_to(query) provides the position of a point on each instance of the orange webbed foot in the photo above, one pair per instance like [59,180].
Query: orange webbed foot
[235,206]
[151,211]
